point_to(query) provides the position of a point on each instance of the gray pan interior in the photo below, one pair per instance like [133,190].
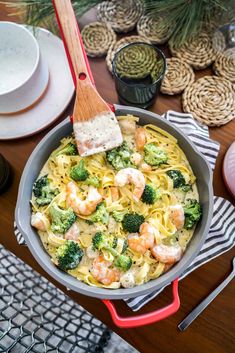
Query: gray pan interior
[35,163]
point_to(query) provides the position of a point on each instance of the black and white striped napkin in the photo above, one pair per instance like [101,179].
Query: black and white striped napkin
[221,236]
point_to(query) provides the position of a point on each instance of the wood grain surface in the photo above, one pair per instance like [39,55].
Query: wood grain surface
[213,331]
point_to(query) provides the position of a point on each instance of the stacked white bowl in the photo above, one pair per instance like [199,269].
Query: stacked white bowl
[24,74]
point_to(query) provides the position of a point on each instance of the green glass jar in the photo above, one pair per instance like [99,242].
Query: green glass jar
[138,70]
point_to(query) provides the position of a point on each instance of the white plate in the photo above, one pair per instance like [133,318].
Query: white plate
[56,97]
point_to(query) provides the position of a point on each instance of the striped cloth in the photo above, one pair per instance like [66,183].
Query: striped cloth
[221,236]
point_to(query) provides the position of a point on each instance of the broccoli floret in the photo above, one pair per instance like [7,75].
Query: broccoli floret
[62,219]
[192,213]
[79,172]
[43,191]
[69,150]
[119,157]
[154,155]
[114,243]
[125,246]
[93,181]
[132,221]
[151,194]
[102,241]
[123,262]
[118,215]
[178,180]
[69,255]
[39,184]
[186,187]
[100,215]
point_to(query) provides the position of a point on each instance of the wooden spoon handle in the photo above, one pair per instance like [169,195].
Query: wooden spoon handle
[73,41]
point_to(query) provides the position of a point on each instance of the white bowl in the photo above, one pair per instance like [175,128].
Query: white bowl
[23,72]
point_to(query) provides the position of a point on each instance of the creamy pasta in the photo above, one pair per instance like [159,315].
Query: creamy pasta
[153,180]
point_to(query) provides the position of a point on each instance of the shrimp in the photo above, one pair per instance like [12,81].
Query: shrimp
[72,233]
[102,273]
[127,126]
[134,176]
[136,158]
[141,243]
[177,216]
[167,267]
[140,138]
[40,221]
[82,207]
[146,167]
[114,193]
[167,254]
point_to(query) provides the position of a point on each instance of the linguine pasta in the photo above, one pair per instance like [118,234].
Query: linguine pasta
[145,266]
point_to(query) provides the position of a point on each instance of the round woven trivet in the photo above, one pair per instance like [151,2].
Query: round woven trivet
[211,100]
[148,26]
[119,44]
[121,15]
[177,77]
[225,65]
[97,38]
[198,53]
[218,42]
[138,62]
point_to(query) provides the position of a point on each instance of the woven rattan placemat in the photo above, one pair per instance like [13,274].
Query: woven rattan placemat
[119,44]
[225,65]
[97,38]
[177,77]
[121,15]
[148,26]
[211,100]
[198,53]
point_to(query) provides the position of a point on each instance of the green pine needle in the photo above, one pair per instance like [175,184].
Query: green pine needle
[41,12]
[186,18]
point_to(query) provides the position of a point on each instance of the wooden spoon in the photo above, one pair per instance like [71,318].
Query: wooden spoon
[95,125]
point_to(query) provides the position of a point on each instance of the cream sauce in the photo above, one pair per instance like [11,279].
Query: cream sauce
[97,135]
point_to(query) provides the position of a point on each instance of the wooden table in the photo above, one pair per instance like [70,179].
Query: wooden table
[213,331]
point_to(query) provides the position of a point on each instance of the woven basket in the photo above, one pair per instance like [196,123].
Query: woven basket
[178,76]
[198,53]
[121,15]
[97,38]
[219,42]
[148,26]
[211,100]
[119,44]
[225,65]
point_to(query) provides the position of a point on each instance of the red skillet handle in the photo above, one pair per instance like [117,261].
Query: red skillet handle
[145,319]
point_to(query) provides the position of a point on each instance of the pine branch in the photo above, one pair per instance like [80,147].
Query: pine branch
[41,12]
[186,17]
